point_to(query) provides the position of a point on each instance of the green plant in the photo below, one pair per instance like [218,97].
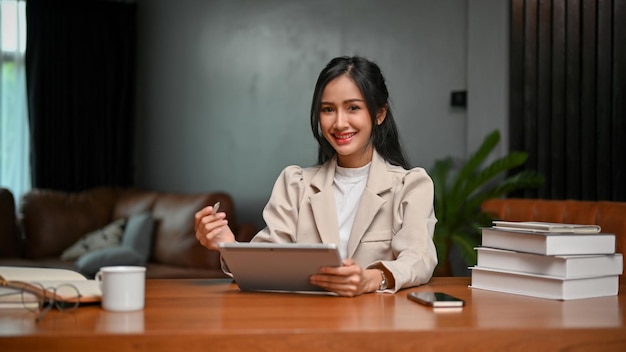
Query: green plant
[459,193]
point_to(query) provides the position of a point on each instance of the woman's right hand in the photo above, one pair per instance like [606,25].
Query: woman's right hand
[212,229]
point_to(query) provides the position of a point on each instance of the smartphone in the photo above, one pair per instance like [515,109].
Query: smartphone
[436,299]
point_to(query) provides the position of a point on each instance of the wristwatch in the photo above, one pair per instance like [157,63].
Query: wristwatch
[383,281]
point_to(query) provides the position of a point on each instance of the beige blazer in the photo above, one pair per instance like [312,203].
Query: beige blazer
[393,227]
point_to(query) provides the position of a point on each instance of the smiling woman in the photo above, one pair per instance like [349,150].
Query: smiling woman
[360,197]
[14,138]
[345,122]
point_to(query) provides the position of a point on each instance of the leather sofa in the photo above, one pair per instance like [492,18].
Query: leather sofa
[48,222]
[611,216]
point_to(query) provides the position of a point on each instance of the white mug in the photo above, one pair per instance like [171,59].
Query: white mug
[123,287]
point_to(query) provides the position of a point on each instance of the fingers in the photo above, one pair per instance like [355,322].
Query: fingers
[347,280]
[208,210]
[209,226]
[344,286]
[200,215]
[350,267]
[208,223]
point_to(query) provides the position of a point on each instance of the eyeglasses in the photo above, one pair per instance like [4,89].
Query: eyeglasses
[37,298]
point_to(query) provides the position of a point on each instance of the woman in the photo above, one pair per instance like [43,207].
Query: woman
[360,196]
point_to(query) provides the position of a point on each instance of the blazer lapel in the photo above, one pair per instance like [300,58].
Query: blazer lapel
[378,182]
[323,204]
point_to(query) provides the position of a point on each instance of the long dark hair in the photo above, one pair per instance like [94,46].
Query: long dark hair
[370,81]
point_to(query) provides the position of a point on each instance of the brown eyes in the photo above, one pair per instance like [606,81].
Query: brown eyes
[349,108]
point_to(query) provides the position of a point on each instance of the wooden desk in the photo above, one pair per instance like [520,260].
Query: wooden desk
[212,315]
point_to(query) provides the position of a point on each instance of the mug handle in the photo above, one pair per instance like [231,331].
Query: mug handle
[98,278]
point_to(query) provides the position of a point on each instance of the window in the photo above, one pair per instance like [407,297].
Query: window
[14,136]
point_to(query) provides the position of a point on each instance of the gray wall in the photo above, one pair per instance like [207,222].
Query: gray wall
[224,87]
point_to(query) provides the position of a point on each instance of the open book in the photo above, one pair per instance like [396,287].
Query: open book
[14,280]
[539,226]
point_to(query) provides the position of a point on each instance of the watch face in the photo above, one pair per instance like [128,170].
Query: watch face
[383,281]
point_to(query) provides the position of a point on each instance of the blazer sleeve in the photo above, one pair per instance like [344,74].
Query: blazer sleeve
[414,225]
[282,209]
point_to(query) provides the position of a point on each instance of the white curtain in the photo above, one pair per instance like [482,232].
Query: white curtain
[14,134]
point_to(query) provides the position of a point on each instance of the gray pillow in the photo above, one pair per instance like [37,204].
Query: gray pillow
[138,234]
[91,262]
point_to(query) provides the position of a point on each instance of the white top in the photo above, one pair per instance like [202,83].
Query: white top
[349,184]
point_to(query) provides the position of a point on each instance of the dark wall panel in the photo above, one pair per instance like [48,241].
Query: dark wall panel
[567,95]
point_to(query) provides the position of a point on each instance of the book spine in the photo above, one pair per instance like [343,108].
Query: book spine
[549,244]
[514,241]
[565,267]
[545,287]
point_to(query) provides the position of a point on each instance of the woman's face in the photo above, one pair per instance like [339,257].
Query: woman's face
[346,123]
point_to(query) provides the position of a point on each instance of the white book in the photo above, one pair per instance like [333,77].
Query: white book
[563,266]
[543,286]
[13,280]
[546,226]
[548,243]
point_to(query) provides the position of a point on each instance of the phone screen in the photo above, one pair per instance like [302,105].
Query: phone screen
[436,299]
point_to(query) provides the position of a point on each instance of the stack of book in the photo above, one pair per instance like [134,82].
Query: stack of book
[547,260]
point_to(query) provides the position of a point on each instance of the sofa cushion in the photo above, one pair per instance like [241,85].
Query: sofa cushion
[91,262]
[108,236]
[175,242]
[138,234]
[54,220]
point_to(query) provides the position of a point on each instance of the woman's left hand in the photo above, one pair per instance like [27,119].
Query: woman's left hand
[349,280]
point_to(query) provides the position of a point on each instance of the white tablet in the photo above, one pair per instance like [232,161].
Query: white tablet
[278,267]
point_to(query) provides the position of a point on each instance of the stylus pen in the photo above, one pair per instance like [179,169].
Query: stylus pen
[216,207]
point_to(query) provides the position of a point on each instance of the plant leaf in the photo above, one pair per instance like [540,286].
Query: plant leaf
[476,159]
[460,194]
[467,244]
[497,167]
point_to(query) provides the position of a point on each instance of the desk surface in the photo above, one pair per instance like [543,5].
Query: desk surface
[189,315]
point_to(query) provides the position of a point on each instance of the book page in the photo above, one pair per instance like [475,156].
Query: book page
[546,226]
[15,273]
[89,289]
[50,278]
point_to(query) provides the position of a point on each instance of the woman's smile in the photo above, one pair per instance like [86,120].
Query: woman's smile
[344,138]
